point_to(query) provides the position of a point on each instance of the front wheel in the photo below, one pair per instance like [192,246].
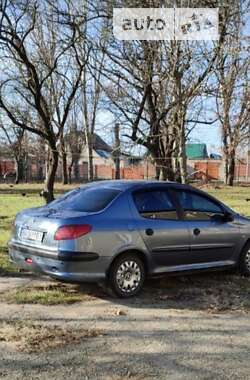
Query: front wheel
[245,261]
[127,275]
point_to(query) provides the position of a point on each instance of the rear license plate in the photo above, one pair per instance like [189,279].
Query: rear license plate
[33,235]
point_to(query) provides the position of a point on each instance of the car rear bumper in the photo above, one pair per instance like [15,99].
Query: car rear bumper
[65,265]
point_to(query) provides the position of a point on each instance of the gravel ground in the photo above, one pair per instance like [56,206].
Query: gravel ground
[158,335]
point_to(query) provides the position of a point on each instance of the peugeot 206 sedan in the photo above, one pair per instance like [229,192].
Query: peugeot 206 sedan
[123,231]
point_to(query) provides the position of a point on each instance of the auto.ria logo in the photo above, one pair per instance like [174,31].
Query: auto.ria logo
[165,23]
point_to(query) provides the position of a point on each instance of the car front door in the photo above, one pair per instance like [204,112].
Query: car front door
[165,235]
[213,238]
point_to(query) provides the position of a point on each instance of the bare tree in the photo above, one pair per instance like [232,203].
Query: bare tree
[74,141]
[92,92]
[91,87]
[233,93]
[14,139]
[153,84]
[38,82]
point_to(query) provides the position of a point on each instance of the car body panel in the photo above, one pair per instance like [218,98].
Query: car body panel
[119,228]
[170,242]
[216,241]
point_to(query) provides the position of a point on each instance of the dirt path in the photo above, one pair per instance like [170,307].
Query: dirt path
[139,340]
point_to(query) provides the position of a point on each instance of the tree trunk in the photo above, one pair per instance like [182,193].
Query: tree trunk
[19,170]
[182,155]
[225,170]
[40,172]
[116,153]
[163,174]
[153,152]
[225,153]
[17,180]
[64,169]
[70,172]
[64,162]
[231,171]
[48,192]
[26,169]
[157,171]
[183,168]
[76,170]
[90,158]
[229,162]
[166,170]
[176,169]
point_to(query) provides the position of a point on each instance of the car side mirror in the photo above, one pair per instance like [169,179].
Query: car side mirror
[223,218]
[228,217]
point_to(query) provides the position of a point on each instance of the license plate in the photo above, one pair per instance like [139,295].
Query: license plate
[33,235]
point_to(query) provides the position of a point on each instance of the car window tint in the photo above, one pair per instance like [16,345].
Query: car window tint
[197,207]
[155,204]
[86,200]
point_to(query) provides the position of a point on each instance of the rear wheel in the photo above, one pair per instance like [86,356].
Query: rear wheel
[245,261]
[127,275]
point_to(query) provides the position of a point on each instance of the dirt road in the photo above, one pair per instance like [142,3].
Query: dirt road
[153,336]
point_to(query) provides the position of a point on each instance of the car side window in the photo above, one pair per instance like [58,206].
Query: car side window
[155,204]
[197,207]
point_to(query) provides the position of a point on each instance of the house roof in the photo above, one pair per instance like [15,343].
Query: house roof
[196,151]
[100,144]
[103,153]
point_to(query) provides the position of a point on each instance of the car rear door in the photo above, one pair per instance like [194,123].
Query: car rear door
[213,239]
[165,235]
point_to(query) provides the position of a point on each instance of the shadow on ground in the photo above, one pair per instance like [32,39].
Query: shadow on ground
[219,292]
[216,292]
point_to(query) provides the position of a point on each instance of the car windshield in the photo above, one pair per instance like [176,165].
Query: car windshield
[85,199]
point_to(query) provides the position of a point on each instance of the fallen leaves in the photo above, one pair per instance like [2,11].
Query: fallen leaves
[29,337]
[210,292]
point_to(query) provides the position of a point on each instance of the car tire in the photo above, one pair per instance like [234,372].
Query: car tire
[245,261]
[127,275]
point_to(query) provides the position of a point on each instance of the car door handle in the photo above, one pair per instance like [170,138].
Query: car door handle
[149,232]
[196,231]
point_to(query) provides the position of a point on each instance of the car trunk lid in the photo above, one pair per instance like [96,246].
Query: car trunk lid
[37,226]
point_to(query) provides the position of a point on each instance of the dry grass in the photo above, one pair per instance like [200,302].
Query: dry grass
[27,336]
[51,294]
[212,292]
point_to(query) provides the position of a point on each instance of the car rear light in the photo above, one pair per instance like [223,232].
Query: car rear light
[29,260]
[73,231]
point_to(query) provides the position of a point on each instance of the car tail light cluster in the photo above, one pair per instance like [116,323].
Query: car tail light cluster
[73,231]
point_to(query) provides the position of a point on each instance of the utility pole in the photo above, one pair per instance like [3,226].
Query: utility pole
[117,151]
[248,154]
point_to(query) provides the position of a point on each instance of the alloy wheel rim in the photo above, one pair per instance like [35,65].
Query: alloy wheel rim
[247,259]
[128,276]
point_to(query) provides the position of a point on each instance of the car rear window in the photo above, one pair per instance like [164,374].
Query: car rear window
[86,200]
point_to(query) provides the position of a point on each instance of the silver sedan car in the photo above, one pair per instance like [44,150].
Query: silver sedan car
[122,231]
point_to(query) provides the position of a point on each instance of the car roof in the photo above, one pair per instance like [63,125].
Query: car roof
[124,185]
[129,184]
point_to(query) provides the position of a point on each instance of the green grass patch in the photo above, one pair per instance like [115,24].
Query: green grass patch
[33,188]
[52,294]
[10,205]
[235,197]
[6,268]
[14,198]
